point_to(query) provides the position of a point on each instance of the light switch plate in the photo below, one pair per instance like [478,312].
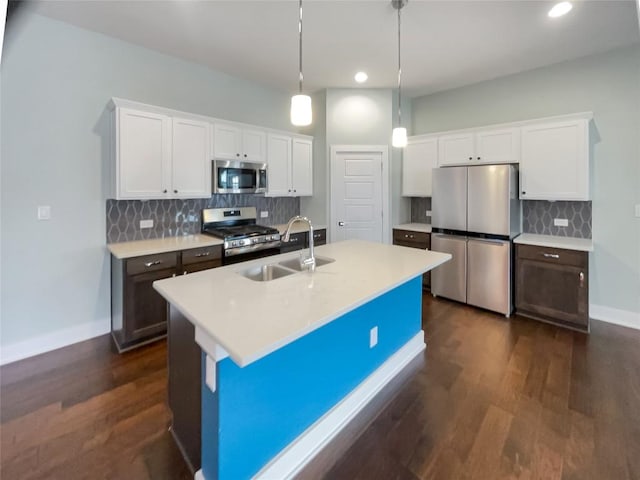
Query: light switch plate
[146,223]
[44,212]
[264,214]
[373,337]
[561,222]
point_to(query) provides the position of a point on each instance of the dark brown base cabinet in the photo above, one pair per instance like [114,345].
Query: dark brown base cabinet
[552,285]
[300,240]
[138,312]
[409,238]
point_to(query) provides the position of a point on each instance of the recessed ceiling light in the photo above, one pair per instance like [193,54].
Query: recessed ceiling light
[560,9]
[361,77]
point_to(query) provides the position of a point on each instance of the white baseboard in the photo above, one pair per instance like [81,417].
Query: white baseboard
[616,316]
[294,457]
[54,340]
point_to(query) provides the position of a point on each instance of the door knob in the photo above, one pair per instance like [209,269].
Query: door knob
[341,224]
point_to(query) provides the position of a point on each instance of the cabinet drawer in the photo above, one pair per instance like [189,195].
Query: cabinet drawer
[411,239]
[151,263]
[319,237]
[553,255]
[204,254]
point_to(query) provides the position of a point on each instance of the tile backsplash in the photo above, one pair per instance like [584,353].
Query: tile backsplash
[182,217]
[538,215]
[419,207]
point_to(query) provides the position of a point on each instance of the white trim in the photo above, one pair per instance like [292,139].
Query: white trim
[616,316]
[54,340]
[199,475]
[298,453]
[209,345]
[383,150]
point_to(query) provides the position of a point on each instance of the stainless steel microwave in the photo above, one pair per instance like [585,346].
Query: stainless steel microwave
[239,177]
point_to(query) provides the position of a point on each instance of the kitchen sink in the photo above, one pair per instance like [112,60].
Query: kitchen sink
[265,273]
[294,263]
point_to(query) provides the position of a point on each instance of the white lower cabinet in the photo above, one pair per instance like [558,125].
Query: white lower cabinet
[158,157]
[419,158]
[289,166]
[555,161]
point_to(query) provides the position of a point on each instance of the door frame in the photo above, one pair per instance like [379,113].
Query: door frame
[383,150]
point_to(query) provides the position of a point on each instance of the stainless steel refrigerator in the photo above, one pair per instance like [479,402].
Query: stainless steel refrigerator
[476,214]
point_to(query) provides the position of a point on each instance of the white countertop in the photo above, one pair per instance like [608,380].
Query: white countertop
[298,227]
[251,319]
[415,227]
[552,241]
[161,245]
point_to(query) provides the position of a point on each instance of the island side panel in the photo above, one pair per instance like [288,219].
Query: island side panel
[263,407]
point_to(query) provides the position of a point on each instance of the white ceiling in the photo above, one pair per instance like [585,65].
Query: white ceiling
[446,44]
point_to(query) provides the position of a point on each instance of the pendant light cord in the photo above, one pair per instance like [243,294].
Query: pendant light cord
[399,69]
[300,47]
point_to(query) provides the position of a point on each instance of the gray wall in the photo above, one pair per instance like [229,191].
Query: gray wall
[609,86]
[353,117]
[56,82]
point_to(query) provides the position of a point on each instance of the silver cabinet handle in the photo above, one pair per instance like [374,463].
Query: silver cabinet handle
[184,273]
[151,264]
[206,254]
[551,255]
[341,224]
[581,276]
[407,235]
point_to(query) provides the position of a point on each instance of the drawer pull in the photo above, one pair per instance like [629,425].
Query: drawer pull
[205,254]
[151,264]
[406,235]
[550,255]
[581,276]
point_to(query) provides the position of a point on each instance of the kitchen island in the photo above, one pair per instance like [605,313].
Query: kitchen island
[288,362]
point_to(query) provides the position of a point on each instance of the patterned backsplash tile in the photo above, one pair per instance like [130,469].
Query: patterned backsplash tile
[419,207]
[538,215]
[182,217]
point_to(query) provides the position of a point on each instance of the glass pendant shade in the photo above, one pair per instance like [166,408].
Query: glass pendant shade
[301,110]
[399,137]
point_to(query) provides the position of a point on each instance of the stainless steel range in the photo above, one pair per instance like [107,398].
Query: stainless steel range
[243,238]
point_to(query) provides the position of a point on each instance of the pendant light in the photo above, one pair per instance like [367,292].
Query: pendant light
[399,135]
[300,104]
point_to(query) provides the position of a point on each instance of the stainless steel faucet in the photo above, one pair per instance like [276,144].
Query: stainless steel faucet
[310,262]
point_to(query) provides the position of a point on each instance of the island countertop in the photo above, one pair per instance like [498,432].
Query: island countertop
[250,319]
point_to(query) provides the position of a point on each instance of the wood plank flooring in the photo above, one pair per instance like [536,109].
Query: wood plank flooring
[491,399]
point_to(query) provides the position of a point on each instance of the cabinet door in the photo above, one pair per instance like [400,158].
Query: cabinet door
[419,158]
[555,161]
[278,165]
[302,167]
[191,165]
[227,141]
[254,146]
[143,154]
[456,149]
[145,309]
[498,146]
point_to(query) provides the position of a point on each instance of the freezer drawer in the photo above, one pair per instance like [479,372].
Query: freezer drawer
[449,279]
[489,275]
[449,198]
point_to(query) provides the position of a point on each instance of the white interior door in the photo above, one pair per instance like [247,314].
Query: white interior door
[357,195]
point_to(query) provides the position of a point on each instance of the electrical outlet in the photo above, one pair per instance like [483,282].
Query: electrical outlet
[638,210]
[44,212]
[264,214]
[373,337]
[560,222]
[146,223]
[428,213]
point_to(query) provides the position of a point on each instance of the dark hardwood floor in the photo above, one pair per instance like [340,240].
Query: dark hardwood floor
[491,399]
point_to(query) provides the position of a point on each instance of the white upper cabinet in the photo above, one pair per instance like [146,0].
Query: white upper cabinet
[497,146]
[555,161]
[231,142]
[289,166]
[191,163]
[278,165]
[302,167]
[456,149]
[480,147]
[142,163]
[420,156]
